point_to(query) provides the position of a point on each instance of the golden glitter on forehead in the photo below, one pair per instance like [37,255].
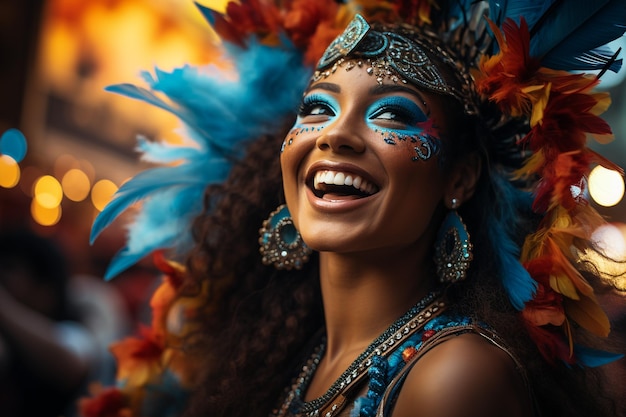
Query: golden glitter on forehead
[378,68]
[400,54]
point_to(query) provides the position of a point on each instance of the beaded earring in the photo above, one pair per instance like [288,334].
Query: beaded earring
[281,243]
[453,249]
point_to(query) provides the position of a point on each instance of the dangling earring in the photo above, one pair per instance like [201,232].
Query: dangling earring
[281,243]
[453,249]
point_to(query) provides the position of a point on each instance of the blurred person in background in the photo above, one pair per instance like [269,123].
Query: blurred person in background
[52,339]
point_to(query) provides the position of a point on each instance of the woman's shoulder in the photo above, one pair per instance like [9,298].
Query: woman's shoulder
[465,376]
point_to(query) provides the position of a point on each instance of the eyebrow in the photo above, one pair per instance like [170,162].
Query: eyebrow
[378,89]
[395,88]
[334,88]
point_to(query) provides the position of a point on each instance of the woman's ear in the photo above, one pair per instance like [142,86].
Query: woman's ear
[462,180]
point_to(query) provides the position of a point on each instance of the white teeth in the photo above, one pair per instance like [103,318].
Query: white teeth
[341,178]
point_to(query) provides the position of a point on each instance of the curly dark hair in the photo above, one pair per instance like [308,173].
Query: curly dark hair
[261,319]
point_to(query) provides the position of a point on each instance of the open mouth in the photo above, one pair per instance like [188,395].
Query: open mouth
[337,185]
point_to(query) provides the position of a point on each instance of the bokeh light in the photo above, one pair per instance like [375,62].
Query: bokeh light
[9,172]
[62,164]
[606,186]
[610,242]
[13,144]
[609,239]
[48,192]
[102,192]
[76,185]
[45,216]
[88,168]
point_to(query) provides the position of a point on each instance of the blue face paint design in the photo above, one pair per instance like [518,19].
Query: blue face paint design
[396,111]
[400,119]
[316,111]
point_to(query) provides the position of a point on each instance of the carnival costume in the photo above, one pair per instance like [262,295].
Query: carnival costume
[518,65]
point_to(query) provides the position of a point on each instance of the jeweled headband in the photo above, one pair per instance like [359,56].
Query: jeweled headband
[397,57]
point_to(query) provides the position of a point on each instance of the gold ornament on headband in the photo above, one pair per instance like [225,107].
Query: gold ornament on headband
[401,57]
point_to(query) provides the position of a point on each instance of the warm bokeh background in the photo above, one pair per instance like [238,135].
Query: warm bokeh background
[56,57]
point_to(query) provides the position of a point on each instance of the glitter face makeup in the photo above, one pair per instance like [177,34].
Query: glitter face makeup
[396,118]
[361,163]
[399,119]
[319,109]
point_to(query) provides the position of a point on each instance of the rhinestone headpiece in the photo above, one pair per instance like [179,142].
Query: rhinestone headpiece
[403,57]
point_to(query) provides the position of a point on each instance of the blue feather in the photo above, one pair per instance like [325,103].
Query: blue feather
[574,30]
[120,262]
[593,357]
[499,11]
[518,283]
[146,183]
[207,13]
[147,96]
[263,90]
[162,152]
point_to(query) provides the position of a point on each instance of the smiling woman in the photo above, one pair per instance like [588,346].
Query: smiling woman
[343,131]
[425,258]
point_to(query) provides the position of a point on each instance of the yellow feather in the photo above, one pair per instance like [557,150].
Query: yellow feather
[603,103]
[568,271]
[531,166]
[588,314]
[562,284]
[540,101]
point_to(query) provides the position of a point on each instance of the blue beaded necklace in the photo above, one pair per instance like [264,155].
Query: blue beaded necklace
[380,362]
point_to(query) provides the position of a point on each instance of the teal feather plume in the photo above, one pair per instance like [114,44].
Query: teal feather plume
[593,357]
[499,11]
[220,111]
[501,224]
[158,152]
[571,34]
[208,13]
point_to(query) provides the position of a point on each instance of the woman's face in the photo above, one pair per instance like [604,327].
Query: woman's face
[359,166]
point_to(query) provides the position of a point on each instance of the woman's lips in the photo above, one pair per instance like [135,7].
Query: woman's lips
[339,182]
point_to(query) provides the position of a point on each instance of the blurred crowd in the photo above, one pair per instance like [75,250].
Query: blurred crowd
[55,327]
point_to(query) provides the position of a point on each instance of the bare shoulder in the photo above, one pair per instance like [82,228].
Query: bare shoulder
[466,376]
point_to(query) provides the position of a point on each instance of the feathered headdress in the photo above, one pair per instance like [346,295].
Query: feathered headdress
[523,56]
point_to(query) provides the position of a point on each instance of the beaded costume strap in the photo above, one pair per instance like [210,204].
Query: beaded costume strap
[391,392]
[335,399]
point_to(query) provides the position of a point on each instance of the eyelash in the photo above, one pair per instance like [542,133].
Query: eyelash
[399,114]
[407,114]
[313,101]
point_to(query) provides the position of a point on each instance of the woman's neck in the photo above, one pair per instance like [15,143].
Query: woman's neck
[365,294]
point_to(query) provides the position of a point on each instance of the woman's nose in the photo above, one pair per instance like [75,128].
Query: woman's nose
[341,137]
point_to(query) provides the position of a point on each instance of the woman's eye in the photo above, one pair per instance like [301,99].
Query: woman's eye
[395,115]
[397,112]
[389,115]
[316,106]
[319,109]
